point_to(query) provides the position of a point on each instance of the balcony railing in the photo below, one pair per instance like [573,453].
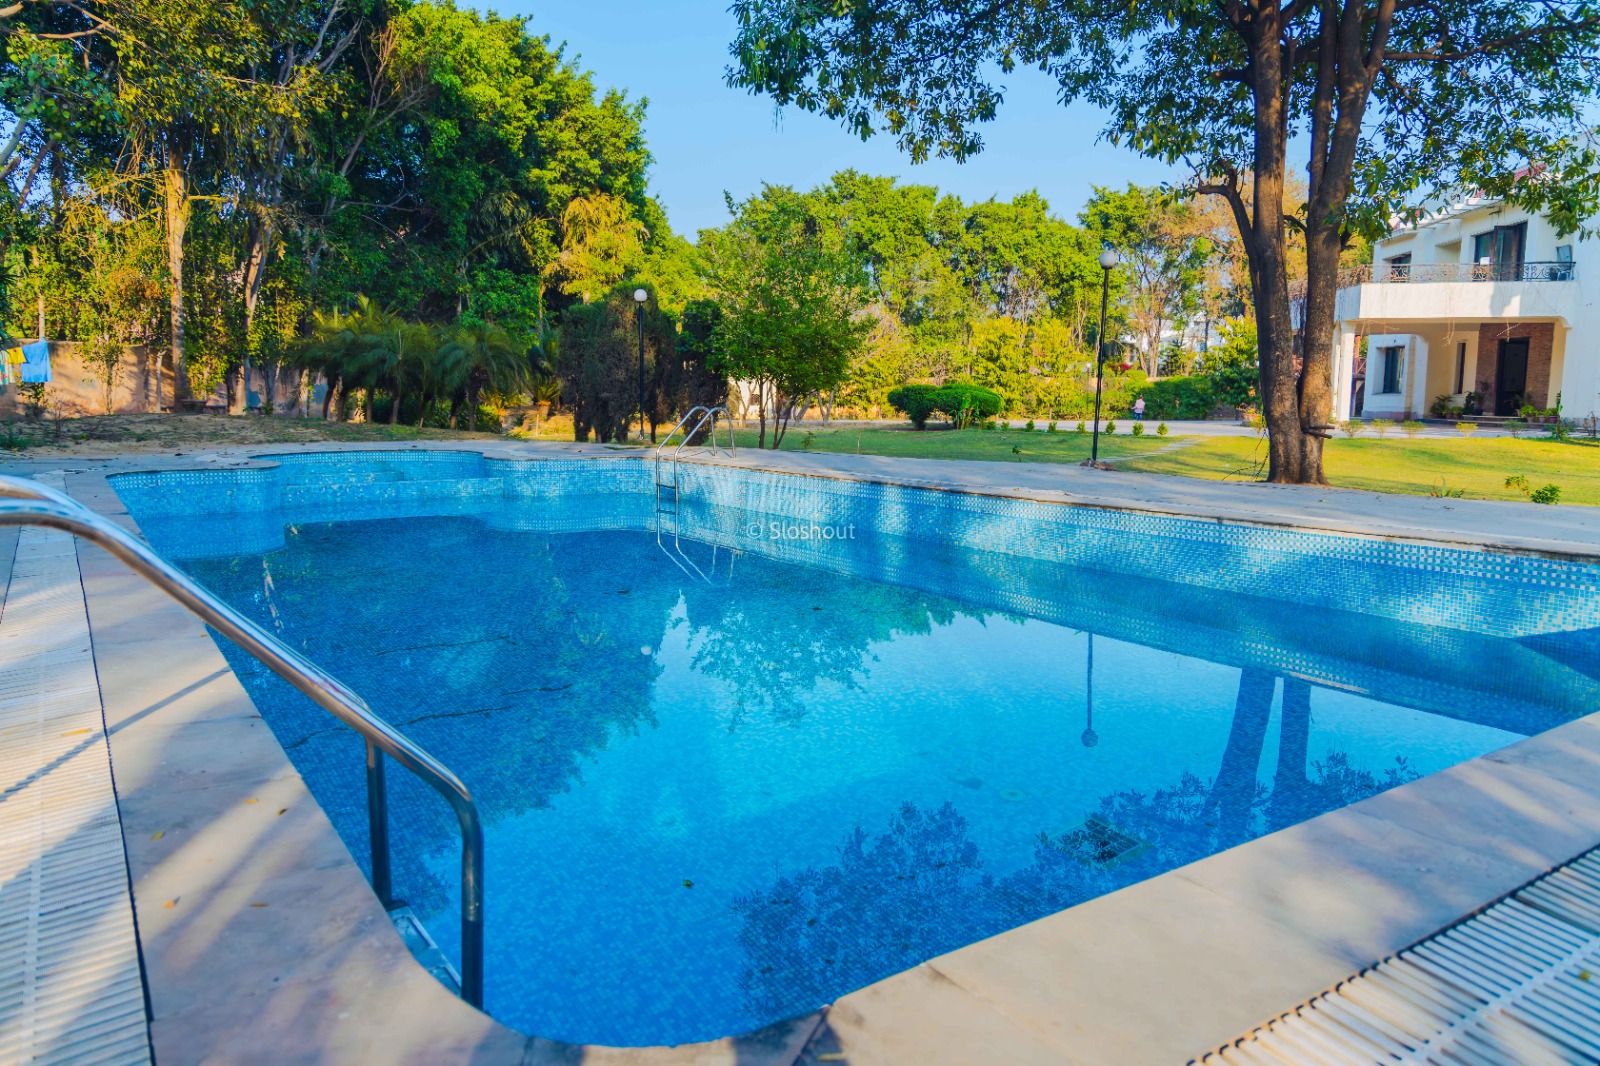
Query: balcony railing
[1422,273]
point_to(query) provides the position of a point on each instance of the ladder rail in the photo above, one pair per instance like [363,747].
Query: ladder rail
[701,414]
[24,502]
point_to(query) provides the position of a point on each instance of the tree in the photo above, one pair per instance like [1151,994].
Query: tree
[791,304]
[1389,97]
[478,357]
[598,358]
[1164,253]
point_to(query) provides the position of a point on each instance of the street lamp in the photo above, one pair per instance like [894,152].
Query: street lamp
[639,297]
[1108,262]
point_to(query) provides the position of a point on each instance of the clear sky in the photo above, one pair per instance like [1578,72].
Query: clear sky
[708,138]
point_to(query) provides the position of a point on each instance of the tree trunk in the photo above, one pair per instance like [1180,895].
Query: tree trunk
[175,187]
[394,408]
[1267,243]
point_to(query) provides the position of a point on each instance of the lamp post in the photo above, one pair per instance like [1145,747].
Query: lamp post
[1108,262]
[639,297]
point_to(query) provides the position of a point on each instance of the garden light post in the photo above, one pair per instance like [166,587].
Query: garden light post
[639,297]
[1108,263]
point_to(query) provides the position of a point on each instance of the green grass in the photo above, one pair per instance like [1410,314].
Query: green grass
[1000,445]
[1478,468]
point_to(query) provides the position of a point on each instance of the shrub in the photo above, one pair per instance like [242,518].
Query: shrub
[1138,429]
[1546,494]
[1442,405]
[1161,430]
[1466,429]
[987,423]
[966,404]
[1111,427]
[1051,428]
[1351,428]
[1081,428]
[1380,426]
[1028,425]
[1412,427]
[1516,426]
[916,402]
[1520,483]
[1180,397]
[1440,489]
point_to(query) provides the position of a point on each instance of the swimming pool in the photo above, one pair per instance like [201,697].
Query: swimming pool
[850,726]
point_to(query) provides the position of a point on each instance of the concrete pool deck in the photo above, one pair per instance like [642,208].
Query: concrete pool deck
[260,940]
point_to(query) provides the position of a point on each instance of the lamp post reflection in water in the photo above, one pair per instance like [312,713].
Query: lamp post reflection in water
[1090,738]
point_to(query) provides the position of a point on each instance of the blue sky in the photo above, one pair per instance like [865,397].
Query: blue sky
[708,138]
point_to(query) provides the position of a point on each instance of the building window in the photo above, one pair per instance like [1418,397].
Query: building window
[1483,248]
[1391,369]
[1399,267]
[1461,367]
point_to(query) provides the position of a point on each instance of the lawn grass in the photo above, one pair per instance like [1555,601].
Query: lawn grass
[1000,445]
[1476,468]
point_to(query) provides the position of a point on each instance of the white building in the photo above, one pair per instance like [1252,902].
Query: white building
[1481,298]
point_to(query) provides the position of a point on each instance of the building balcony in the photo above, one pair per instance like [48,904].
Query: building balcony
[1430,292]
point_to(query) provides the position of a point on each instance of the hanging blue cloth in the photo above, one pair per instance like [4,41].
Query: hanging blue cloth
[36,363]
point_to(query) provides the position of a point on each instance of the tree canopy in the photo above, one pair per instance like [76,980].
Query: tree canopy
[1389,98]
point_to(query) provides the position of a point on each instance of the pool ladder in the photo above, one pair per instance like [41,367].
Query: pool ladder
[24,502]
[667,463]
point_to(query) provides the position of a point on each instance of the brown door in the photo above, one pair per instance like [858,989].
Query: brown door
[1511,376]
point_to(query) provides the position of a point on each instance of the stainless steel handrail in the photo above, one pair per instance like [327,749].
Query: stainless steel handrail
[28,503]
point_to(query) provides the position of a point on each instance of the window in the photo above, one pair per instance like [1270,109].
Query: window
[1399,267]
[1483,248]
[1391,368]
[1461,367]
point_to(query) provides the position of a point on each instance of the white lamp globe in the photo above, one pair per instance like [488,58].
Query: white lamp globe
[640,296]
[1109,259]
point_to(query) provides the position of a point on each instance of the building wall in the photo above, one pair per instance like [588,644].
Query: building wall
[76,388]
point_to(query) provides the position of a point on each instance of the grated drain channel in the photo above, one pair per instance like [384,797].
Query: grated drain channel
[1517,983]
[70,986]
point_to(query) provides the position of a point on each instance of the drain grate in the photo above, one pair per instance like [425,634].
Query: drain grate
[70,988]
[1519,982]
[1099,843]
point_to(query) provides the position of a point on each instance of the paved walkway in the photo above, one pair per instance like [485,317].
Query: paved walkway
[70,986]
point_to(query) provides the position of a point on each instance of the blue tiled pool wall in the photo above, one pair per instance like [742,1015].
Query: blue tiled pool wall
[1455,672]
[1483,592]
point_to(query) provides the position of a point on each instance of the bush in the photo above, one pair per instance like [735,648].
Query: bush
[1050,428]
[966,404]
[1138,429]
[1111,427]
[1351,428]
[916,402]
[1546,494]
[1466,429]
[1161,430]
[1412,427]
[1520,483]
[1179,397]
[1380,426]
[1081,428]
[1029,425]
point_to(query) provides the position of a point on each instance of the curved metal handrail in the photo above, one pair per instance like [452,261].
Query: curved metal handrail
[29,503]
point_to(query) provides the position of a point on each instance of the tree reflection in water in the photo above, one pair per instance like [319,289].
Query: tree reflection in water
[921,888]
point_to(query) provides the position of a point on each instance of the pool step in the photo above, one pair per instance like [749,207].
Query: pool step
[423,948]
[1519,982]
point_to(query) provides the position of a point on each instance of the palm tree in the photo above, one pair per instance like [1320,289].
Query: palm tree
[479,357]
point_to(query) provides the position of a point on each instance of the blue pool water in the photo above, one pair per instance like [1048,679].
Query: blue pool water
[725,787]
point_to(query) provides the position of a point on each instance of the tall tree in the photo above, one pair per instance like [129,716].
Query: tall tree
[1390,97]
[791,303]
